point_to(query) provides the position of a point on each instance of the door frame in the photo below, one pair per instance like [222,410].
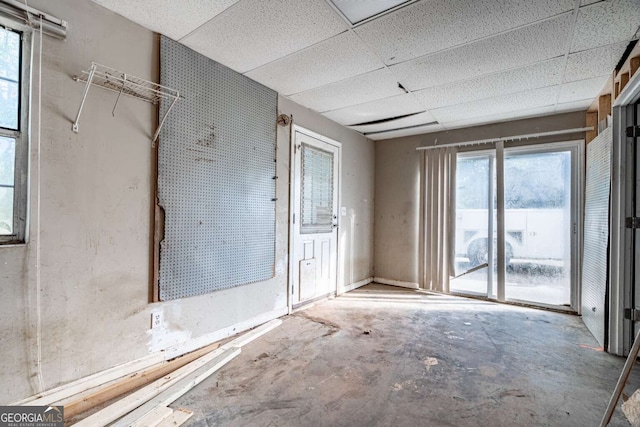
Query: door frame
[621,290]
[293,198]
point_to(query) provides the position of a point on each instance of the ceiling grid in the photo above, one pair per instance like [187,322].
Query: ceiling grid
[463,62]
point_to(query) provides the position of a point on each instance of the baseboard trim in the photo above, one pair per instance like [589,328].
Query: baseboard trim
[398,283]
[356,285]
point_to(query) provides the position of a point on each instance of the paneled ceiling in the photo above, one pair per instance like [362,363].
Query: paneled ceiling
[423,66]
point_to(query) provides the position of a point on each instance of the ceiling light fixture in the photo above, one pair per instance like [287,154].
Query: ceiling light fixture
[358,12]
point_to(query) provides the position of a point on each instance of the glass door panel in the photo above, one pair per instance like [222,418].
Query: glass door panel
[538,225]
[474,208]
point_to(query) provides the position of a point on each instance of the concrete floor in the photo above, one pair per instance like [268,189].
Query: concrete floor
[384,356]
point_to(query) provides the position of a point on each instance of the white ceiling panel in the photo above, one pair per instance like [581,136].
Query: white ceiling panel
[517,48]
[431,26]
[582,89]
[366,87]
[416,120]
[256,32]
[357,11]
[505,104]
[606,23]
[594,62]
[542,74]
[502,117]
[376,110]
[173,18]
[406,132]
[332,60]
[567,107]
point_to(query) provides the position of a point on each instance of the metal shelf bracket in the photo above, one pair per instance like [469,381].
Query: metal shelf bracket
[122,83]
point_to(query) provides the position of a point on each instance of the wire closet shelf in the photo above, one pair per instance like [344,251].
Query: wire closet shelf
[124,84]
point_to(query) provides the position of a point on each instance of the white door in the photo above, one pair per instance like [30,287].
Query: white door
[316,166]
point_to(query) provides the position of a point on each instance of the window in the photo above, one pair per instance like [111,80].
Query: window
[14,72]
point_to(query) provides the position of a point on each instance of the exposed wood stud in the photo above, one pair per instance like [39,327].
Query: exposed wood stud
[604,107]
[592,120]
[617,90]
[634,64]
[624,79]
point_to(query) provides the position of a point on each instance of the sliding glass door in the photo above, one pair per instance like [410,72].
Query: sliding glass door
[475,221]
[539,224]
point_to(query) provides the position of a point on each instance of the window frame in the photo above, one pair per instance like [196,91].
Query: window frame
[21,137]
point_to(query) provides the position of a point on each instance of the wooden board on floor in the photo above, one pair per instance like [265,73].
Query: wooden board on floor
[132,382]
[177,418]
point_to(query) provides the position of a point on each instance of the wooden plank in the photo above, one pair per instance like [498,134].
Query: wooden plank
[592,120]
[139,397]
[624,79]
[174,392]
[59,393]
[177,418]
[604,107]
[155,417]
[616,90]
[634,64]
[132,382]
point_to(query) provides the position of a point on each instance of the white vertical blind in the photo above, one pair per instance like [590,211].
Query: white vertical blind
[439,180]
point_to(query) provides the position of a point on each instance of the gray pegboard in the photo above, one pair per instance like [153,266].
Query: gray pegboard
[216,168]
[596,233]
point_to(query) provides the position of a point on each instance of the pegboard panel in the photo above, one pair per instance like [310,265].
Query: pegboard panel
[596,233]
[216,169]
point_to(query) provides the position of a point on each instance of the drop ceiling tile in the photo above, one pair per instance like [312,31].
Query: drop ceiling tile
[366,87]
[401,35]
[582,89]
[594,62]
[332,60]
[542,74]
[376,110]
[502,117]
[606,23]
[517,48]
[587,2]
[256,32]
[406,132]
[567,107]
[416,120]
[173,18]
[506,104]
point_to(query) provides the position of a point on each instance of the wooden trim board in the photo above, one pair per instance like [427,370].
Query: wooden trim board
[100,395]
[143,395]
[62,392]
[136,417]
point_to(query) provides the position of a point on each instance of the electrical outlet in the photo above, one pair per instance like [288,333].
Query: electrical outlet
[156,319]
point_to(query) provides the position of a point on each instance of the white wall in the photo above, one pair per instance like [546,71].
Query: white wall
[96,221]
[397,186]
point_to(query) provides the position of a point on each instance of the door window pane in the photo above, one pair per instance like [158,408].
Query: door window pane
[316,200]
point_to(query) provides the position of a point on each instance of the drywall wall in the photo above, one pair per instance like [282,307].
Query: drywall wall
[355,244]
[93,281]
[397,186]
